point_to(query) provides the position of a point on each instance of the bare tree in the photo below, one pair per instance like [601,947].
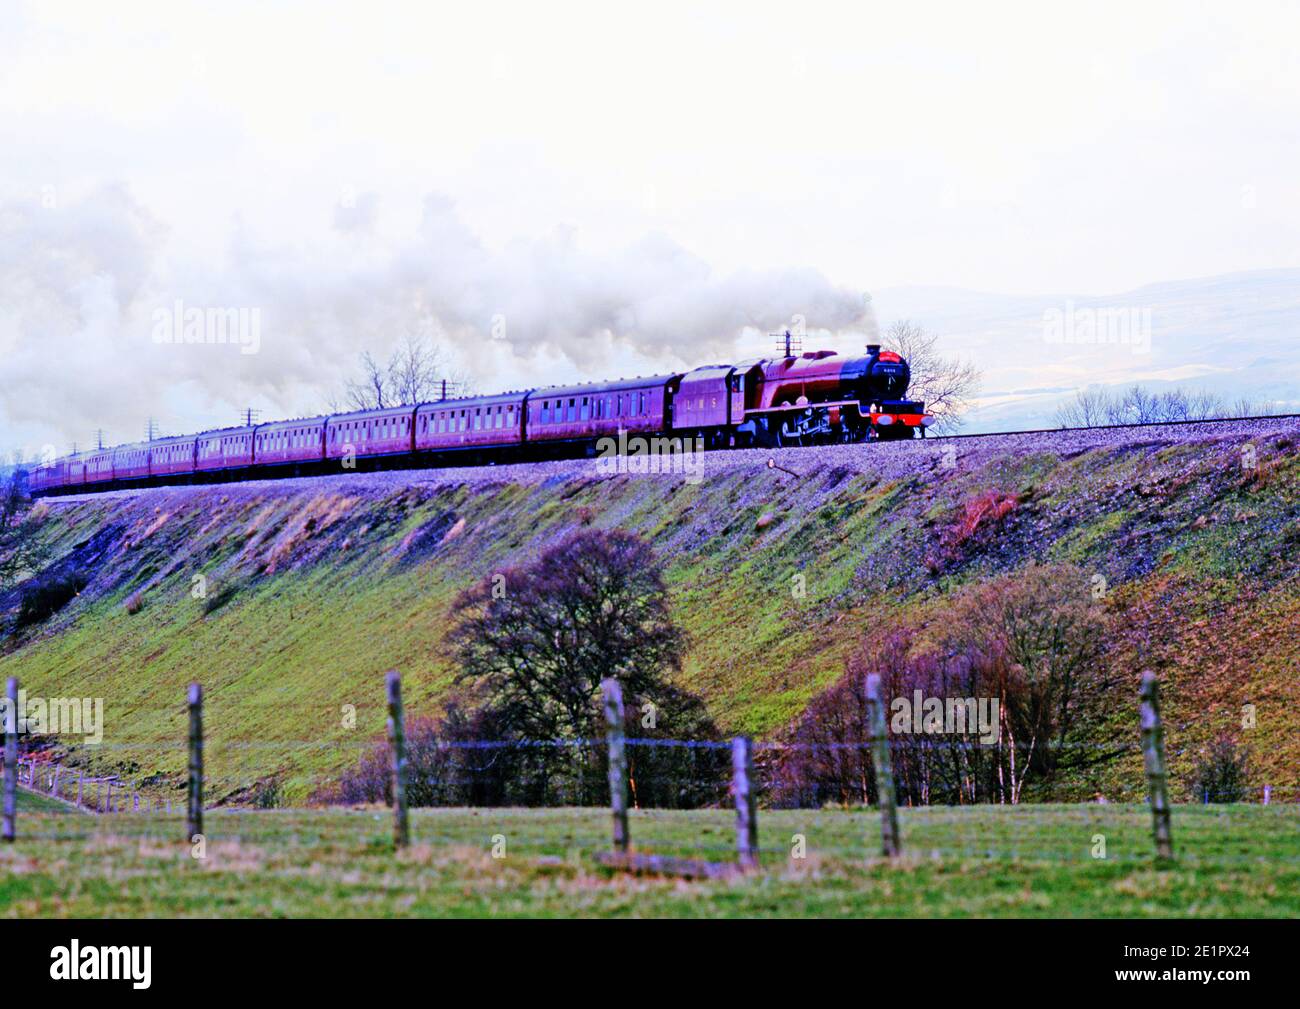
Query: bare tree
[371,391]
[414,373]
[1095,406]
[945,384]
[1247,407]
[1138,405]
[1174,404]
[537,641]
[1089,408]
[22,550]
[541,638]
[1204,405]
[415,370]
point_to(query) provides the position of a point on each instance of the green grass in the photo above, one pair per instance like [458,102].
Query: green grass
[34,802]
[980,861]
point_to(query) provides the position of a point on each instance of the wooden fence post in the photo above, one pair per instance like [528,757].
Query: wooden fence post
[81,784]
[742,784]
[617,761]
[397,742]
[194,812]
[1153,755]
[890,845]
[11,761]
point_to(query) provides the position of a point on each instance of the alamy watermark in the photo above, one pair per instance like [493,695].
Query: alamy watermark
[196,326]
[657,454]
[946,716]
[1117,326]
[61,716]
[75,962]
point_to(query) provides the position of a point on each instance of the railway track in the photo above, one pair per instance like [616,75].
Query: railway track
[889,460]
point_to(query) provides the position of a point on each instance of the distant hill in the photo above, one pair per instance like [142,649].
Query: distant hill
[1235,335]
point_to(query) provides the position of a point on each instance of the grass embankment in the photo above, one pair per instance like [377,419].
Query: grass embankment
[970,861]
[309,592]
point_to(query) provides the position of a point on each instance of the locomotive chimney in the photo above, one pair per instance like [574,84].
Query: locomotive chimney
[873,349]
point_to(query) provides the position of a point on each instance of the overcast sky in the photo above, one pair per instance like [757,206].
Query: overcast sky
[613,187]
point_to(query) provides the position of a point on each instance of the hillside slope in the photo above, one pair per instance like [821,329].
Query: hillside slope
[288,600]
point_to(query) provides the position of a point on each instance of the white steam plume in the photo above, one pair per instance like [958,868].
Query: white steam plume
[79,286]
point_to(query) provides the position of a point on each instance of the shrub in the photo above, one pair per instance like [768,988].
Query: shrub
[1031,641]
[1220,773]
[266,794]
[981,511]
[215,600]
[47,596]
[134,602]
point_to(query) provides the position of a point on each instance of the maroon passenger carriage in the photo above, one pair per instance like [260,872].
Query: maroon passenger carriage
[470,424]
[368,434]
[289,442]
[580,415]
[225,450]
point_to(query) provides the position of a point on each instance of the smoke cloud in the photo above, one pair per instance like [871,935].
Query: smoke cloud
[81,287]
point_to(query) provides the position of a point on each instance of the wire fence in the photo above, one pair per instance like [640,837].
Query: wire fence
[1263,825]
[695,799]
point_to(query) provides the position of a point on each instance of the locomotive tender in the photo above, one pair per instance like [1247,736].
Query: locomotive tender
[796,399]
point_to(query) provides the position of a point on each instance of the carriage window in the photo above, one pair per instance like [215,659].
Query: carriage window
[573,410]
[585,413]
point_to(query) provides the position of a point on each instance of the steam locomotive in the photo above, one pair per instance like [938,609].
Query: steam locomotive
[791,399]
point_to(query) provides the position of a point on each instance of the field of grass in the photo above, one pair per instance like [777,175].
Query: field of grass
[34,802]
[970,861]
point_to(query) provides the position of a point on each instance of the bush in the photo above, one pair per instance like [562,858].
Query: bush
[267,794]
[1220,773]
[1031,642]
[214,600]
[46,597]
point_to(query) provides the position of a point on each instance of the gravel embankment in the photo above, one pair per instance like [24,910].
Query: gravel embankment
[889,460]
